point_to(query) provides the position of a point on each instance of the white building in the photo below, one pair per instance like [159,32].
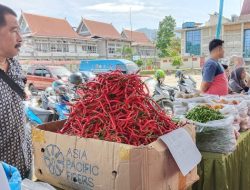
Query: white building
[109,41]
[235,32]
[51,40]
[141,45]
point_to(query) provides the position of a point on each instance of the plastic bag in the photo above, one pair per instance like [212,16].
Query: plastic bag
[242,109]
[248,106]
[229,110]
[31,185]
[180,109]
[13,176]
[216,136]
[194,100]
[236,126]
[244,123]
[217,124]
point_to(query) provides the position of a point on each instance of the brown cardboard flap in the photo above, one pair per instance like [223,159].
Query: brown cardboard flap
[51,126]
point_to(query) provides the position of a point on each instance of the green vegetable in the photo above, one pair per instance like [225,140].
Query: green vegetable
[204,114]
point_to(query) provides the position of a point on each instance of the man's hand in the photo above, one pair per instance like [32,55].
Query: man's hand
[205,86]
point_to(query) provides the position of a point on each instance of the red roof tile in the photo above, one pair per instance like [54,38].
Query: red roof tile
[245,8]
[49,27]
[138,37]
[100,29]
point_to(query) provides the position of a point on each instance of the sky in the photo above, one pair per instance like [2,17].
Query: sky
[144,14]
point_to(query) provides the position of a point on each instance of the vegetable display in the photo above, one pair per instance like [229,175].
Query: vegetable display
[187,96]
[117,107]
[231,102]
[204,114]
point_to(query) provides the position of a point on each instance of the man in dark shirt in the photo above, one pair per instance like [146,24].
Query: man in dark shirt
[214,80]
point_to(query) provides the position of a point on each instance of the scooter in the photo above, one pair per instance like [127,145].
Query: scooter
[186,84]
[36,115]
[162,94]
[56,103]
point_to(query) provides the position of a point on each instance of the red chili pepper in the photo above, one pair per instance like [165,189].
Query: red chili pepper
[117,107]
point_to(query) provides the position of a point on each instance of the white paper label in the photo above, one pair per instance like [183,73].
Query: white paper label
[183,149]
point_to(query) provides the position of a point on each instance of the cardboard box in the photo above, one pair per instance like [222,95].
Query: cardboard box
[71,162]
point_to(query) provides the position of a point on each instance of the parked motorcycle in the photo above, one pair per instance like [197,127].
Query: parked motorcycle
[56,98]
[36,115]
[57,105]
[162,94]
[186,84]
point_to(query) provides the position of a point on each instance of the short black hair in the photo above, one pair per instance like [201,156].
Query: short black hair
[225,66]
[215,43]
[3,11]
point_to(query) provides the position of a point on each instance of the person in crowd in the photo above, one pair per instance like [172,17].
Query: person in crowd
[237,80]
[214,80]
[236,62]
[227,71]
[15,142]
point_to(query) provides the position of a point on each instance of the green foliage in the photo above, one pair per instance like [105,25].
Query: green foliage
[126,52]
[165,34]
[177,61]
[139,62]
[149,62]
[174,51]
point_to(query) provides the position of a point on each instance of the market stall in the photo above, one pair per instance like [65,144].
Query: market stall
[226,171]
[223,138]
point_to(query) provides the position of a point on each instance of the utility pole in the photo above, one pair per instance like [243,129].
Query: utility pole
[219,24]
[130,20]
[131,33]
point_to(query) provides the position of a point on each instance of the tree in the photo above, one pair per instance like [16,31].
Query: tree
[126,52]
[165,34]
[139,63]
[177,61]
[174,51]
[149,62]
[175,45]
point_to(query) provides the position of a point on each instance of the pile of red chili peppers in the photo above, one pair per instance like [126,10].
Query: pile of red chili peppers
[117,107]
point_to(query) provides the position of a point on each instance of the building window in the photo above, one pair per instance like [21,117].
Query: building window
[111,50]
[193,42]
[38,47]
[23,27]
[59,48]
[89,48]
[247,44]
[53,48]
[84,30]
[65,48]
[45,47]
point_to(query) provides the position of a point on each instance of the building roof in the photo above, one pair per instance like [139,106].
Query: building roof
[101,29]
[245,8]
[138,38]
[49,27]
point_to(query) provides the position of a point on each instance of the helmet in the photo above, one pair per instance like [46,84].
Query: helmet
[178,73]
[160,74]
[75,78]
[59,87]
